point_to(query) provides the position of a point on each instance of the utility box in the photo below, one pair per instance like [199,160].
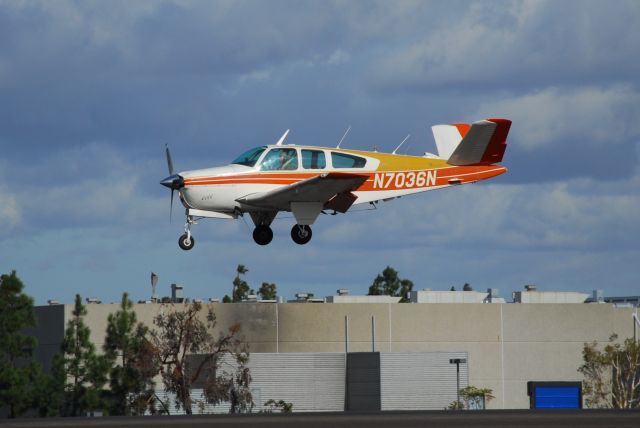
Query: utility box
[555,395]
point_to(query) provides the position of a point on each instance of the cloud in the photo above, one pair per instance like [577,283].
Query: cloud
[10,213]
[91,91]
[601,116]
[517,43]
[578,214]
[87,186]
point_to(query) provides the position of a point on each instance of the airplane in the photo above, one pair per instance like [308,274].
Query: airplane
[310,180]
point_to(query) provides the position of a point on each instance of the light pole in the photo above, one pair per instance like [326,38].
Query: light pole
[457,362]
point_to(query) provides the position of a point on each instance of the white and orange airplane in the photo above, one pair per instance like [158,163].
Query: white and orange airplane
[308,180]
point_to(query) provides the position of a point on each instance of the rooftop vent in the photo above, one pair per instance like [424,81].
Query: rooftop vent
[598,296]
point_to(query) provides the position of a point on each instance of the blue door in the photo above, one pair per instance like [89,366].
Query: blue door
[555,395]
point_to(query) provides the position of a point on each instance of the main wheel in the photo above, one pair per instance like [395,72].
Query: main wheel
[185,242]
[301,234]
[262,235]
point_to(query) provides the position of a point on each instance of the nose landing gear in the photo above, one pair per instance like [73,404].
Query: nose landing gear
[186,241]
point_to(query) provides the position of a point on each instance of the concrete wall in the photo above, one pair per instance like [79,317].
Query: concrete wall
[507,344]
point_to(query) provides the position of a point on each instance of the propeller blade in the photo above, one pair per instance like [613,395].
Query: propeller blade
[173,182]
[169,161]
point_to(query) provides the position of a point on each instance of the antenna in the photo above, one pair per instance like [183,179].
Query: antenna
[342,139]
[154,281]
[405,139]
[284,137]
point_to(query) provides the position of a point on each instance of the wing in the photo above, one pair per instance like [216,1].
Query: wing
[308,197]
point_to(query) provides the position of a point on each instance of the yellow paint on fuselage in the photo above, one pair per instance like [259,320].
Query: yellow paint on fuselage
[391,162]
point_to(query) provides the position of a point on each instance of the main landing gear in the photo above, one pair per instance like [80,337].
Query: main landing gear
[262,234]
[301,234]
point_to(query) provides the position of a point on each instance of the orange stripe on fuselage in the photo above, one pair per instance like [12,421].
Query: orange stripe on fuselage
[377,180]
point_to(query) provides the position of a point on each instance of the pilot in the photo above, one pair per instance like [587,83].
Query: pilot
[287,159]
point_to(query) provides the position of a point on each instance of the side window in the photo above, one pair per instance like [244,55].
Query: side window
[343,160]
[279,160]
[313,159]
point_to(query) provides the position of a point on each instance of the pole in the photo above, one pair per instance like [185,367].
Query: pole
[457,362]
[373,334]
[458,380]
[346,334]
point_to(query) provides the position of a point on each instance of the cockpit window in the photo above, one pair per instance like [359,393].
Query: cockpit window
[250,157]
[343,160]
[280,159]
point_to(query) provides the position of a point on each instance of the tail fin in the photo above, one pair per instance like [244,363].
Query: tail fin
[483,144]
[448,137]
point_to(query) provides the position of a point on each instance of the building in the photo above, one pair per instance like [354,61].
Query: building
[505,345]
[430,296]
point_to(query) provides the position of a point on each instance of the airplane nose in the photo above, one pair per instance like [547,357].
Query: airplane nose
[173,182]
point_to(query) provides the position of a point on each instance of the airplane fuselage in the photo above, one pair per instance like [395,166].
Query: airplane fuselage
[388,176]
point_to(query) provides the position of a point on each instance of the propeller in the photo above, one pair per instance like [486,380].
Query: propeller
[173,181]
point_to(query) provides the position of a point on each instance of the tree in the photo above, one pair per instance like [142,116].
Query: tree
[180,338]
[50,390]
[476,398]
[467,287]
[612,375]
[84,371]
[390,284]
[240,287]
[278,405]
[132,360]
[267,291]
[17,378]
[472,398]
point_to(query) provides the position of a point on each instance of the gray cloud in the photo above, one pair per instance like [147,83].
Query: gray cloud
[513,44]
[91,91]
[601,116]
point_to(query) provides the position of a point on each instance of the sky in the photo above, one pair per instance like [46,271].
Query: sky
[91,91]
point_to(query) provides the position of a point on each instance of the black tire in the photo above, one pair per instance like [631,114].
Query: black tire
[262,235]
[186,244]
[301,234]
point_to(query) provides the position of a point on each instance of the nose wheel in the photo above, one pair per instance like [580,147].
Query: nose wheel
[186,241]
[301,234]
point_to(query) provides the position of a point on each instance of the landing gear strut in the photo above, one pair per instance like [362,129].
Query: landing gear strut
[186,241]
[262,235]
[301,234]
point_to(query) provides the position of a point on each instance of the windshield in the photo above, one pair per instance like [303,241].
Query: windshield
[280,159]
[250,157]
